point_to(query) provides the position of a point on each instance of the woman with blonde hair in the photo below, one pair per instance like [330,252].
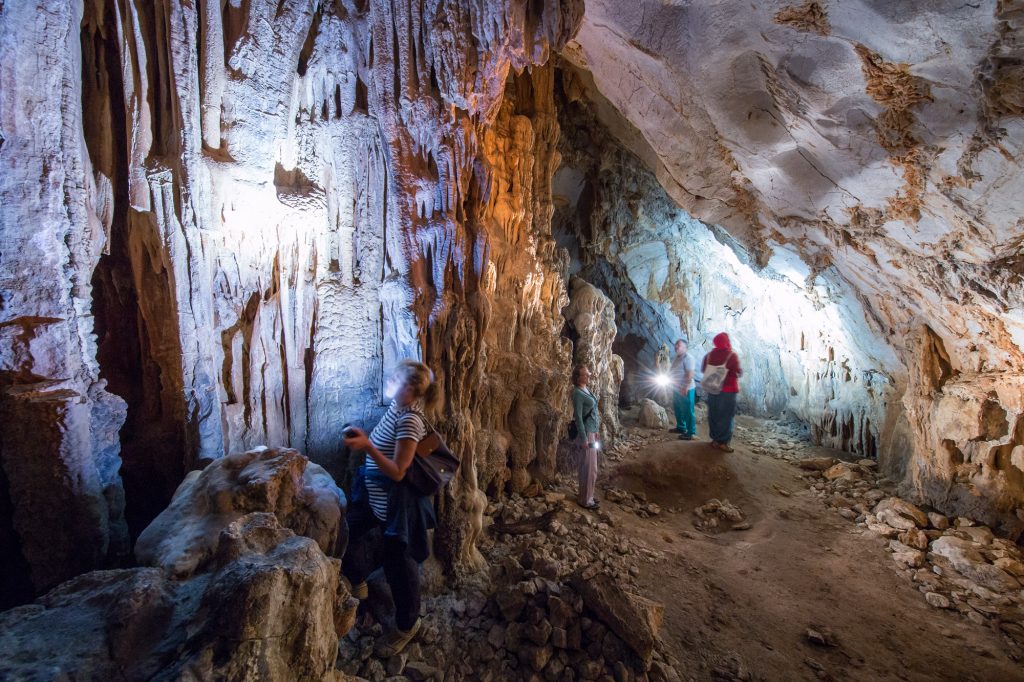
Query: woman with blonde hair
[586,445]
[379,500]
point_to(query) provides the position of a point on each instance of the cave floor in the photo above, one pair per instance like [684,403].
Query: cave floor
[739,603]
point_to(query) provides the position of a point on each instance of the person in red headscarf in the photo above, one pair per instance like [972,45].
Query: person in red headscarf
[722,404]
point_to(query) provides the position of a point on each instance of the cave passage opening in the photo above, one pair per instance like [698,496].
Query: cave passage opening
[809,353]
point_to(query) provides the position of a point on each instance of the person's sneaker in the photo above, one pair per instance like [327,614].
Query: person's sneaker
[724,447]
[393,644]
[685,436]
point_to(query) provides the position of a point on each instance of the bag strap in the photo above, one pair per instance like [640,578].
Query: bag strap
[430,427]
[726,363]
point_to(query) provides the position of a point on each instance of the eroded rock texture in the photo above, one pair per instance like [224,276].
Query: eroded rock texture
[300,494]
[591,317]
[265,610]
[241,215]
[879,141]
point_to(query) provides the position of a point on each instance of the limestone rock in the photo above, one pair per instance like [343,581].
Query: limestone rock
[653,415]
[937,600]
[282,482]
[969,562]
[914,538]
[842,471]
[817,463]
[1011,566]
[741,115]
[938,521]
[266,611]
[978,534]
[592,316]
[902,554]
[634,619]
[901,514]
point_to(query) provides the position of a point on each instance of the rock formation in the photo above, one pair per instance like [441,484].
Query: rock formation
[591,318]
[804,345]
[238,582]
[266,609]
[282,482]
[880,142]
[251,212]
[224,223]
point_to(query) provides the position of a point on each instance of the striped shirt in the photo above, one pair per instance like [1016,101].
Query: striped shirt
[396,424]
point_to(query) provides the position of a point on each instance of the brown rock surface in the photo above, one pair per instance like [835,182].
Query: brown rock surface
[633,618]
[264,611]
[303,497]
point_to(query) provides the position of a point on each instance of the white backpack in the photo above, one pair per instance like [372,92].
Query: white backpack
[714,377]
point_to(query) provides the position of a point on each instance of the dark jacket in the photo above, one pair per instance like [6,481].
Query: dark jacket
[409,515]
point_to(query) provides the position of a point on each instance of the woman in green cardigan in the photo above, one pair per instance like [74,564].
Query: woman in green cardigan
[585,415]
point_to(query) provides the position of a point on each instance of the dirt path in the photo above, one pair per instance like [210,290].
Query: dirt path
[738,604]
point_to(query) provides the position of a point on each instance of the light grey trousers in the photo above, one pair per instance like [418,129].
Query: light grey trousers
[587,458]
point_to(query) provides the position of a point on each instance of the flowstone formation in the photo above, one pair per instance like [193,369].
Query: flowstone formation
[879,141]
[225,222]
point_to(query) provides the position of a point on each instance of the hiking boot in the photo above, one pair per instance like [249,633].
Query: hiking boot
[393,644]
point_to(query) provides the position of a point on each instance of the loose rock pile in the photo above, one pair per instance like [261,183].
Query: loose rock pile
[634,502]
[957,563]
[715,516]
[561,604]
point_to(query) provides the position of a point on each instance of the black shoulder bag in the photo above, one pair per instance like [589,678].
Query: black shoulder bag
[433,466]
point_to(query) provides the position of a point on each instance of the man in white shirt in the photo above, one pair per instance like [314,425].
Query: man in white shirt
[683,371]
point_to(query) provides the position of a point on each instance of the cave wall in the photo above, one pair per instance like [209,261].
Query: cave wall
[879,140]
[805,343]
[227,221]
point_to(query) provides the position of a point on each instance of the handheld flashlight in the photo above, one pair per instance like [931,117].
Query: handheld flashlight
[662,380]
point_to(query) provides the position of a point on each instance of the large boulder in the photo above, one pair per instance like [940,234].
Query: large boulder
[302,496]
[633,618]
[267,610]
[968,561]
[653,415]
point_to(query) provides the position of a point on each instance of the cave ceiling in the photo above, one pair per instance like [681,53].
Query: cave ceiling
[882,138]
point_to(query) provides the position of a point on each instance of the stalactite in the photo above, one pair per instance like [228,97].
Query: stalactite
[289,195]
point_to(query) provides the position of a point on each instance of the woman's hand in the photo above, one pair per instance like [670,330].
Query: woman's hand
[357,440]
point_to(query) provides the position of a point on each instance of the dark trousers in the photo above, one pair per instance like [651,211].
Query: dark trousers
[721,411]
[392,554]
